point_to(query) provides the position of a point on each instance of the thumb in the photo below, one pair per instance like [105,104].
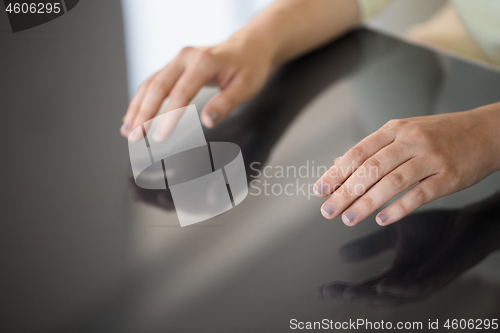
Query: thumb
[224,102]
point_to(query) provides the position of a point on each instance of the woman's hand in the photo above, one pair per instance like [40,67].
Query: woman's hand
[239,68]
[441,154]
[241,65]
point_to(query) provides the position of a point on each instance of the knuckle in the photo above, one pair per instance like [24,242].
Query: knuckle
[396,180]
[357,153]
[389,132]
[358,190]
[179,92]
[447,167]
[144,112]
[420,134]
[185,50]
[420,195]
[368,203]
[391,123]
[438,158]
[401,207]
[345,193]
[204,60]
[396,123]
[403,145]
[452,176]
[246,78]
[228,101]
[373,167]
[157,83]
[145,84]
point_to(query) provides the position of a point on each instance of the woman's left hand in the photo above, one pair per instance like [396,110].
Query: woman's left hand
[441,154]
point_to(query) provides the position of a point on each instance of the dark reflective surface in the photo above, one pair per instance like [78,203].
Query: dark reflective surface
[80,255]
[432,249]
[258,125]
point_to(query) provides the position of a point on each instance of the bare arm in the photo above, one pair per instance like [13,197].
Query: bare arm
[292,27]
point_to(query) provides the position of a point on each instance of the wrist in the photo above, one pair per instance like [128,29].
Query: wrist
[490,114]
[255,41]
[273,32]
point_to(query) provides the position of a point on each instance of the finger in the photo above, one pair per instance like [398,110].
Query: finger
[352,160]
[186,88]
[224,102]
[387,188]
[368,296]
[368,246]
[133,108]
[400,287]
[166,123]
[430,278]
[366,291]
[158,89]
[427,190]
[372,170]
[332,290]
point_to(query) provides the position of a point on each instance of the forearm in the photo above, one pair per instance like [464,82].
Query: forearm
[288,28]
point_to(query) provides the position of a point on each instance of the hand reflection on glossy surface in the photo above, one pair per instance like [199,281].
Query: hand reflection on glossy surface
[432,249]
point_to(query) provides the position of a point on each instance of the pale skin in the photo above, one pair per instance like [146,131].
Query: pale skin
[441,154]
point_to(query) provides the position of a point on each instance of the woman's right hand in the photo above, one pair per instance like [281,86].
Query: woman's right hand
[238,67]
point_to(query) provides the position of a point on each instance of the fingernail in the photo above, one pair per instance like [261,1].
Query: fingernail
[328,209]
[319,189]
[213,115]
[210,119]
[157,136]
[382,218]
[135,135]
[350,215]
[124,128]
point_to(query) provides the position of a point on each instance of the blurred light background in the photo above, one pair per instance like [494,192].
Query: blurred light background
[156,30]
